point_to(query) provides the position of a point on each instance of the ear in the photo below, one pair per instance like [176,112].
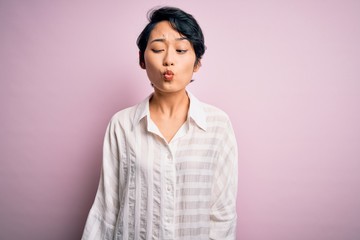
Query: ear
[141,61]
[197,66]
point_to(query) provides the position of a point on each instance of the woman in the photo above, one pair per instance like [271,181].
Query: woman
[170,162]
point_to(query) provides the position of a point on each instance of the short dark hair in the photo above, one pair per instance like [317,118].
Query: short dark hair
[181,21]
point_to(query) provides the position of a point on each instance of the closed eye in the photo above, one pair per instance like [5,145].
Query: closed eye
[157,50]
[181,51]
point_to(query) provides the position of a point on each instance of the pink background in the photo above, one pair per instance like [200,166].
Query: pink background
[287,73]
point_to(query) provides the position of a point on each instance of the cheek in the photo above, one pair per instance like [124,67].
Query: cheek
[149,60]
[191,66]
[150,66]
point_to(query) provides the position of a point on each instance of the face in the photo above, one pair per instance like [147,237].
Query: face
[169,59]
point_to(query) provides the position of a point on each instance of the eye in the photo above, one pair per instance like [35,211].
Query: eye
[157,50]
[181,51]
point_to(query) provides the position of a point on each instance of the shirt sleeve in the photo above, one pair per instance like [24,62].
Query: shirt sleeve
[102,217]
[224,192]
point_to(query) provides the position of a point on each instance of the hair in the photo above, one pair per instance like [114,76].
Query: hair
[181,21]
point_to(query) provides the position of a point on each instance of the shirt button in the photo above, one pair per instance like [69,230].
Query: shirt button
[168,188]
[169,156]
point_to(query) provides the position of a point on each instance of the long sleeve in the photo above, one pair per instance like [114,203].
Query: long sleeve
[223,209]
[102,217]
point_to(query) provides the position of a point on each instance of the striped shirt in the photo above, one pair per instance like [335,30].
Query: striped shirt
[152,189]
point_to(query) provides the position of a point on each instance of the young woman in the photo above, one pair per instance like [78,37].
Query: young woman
[170,162]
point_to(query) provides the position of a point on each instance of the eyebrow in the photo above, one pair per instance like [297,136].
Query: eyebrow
[163,39]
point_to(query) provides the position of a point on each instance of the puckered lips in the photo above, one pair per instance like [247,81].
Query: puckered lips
[168,75]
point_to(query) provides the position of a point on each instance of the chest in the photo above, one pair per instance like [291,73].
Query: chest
[149,160]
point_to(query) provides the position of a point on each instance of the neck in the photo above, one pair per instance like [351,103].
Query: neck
[169,104]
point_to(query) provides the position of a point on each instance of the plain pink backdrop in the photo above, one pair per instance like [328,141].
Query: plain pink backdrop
[287,73]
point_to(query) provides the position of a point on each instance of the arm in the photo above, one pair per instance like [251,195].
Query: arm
[223,209]
[102,217]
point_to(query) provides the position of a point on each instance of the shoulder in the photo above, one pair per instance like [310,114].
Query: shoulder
[220,124]
[133,113]
[215,116]
[214,111]
[206,113]
[125,117]
[124,114]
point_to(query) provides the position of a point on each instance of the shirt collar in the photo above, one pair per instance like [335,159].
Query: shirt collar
[196,111]
[142,110]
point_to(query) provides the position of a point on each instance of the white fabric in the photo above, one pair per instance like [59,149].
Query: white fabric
[151,189]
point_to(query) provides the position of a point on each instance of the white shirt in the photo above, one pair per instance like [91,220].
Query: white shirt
[151,189]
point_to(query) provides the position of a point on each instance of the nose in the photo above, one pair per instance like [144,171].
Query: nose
[168,59]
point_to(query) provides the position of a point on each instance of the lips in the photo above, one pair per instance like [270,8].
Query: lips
[168,75]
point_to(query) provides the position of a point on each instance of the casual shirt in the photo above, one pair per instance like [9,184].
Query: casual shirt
[153,189]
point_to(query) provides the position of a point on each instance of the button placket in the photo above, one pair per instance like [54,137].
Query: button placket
[169,196]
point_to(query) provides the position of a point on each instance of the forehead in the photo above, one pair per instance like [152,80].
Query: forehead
[164,30]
